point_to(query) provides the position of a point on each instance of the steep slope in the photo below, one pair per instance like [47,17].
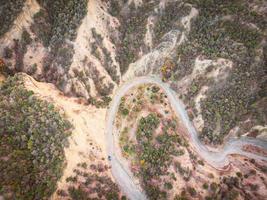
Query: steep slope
[33,136]
[76,55]
[211,53]
[87,143]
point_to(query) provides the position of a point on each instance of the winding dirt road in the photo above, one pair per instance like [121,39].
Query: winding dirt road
[217,159]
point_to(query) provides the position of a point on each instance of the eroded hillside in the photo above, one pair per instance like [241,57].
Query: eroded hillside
[213,57]
[77,53]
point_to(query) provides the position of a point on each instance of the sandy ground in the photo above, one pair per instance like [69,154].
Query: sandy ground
[186,21]
[87,143]
[148,40]
[23,20]
[36,51]
[99,19]
[155,58]
[198,121]
[2,78]
[34,55]
[200,173]
[219,72]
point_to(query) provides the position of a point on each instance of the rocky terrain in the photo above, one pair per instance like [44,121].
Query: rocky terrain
[67,59]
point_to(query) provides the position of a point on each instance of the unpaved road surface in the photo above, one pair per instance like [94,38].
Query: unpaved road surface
[217,159]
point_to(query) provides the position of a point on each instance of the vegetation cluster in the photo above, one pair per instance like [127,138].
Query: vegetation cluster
[55,25]
[156,143]
[168,19]
[33,137]
[154,153]
[130,43]
[214,35]
[20,48]
[102,54]
[131,31]
[9,10]
[90,182]
[62,18]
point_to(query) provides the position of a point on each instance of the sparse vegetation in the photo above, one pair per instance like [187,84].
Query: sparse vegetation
[104,89]
[103,103]
[132,31]
[192,191]
[105,59]
[85,184]
[9,10]
[156,153]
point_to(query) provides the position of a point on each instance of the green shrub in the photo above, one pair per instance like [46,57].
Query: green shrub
[213,36]
[180,197]
[205,186]
[33,137]
[20,48]
[132,30]
[155,89]
[239,174]
[125,111]
[77,193]
[64,18]
[213,187]
[192,191]
[9,11]
[8,53]
[55,25]
[32,69]
[168,186]
[168,19]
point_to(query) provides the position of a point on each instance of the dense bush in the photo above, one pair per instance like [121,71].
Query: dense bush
[33,137]
[55,25]
[153,155]
[9,10]
[214,36]
[168,19]
[131,31]
[64,18]
[192,191]
[20,48]
[41,27]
